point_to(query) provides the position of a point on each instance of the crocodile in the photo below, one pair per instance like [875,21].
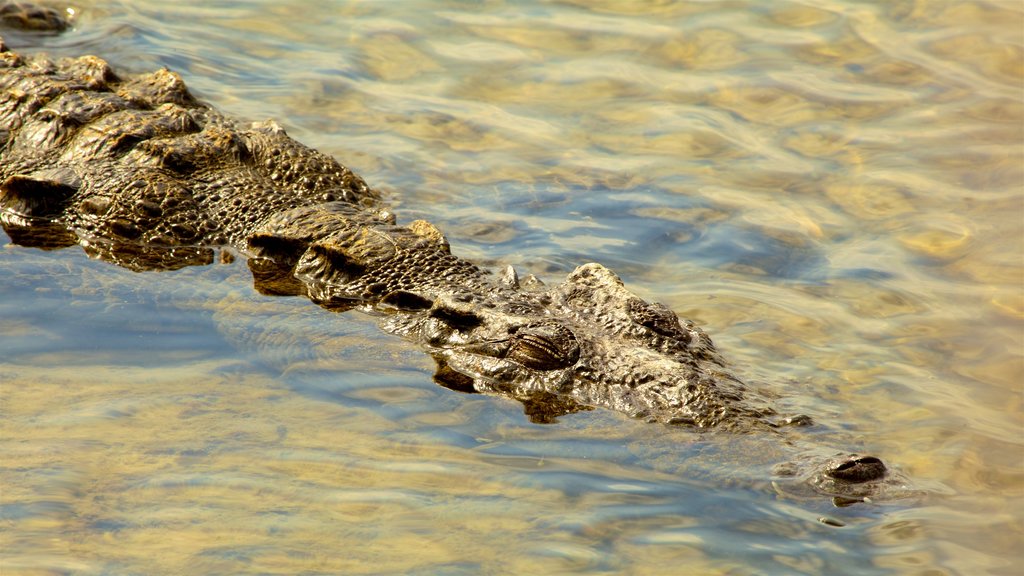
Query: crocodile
[139,172]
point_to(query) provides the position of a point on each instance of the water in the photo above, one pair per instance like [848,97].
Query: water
[834,190]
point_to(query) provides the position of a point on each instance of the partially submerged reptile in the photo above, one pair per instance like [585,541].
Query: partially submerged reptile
[140,173]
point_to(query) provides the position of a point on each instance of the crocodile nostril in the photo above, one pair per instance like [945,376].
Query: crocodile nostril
[859,469]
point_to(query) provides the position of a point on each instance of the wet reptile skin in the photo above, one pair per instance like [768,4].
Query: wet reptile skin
[140,173]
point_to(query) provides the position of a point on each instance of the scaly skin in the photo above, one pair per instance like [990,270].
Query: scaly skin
[140,173]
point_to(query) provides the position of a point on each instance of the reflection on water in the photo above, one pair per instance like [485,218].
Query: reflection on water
[833,189]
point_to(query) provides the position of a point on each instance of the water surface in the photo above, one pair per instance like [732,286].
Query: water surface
[833,190]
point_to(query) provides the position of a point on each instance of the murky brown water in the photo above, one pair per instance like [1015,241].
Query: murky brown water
[834,189]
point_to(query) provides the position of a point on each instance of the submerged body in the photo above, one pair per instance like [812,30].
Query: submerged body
[140,173]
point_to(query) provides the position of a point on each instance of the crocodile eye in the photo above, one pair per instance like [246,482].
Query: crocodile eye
[658,318]
[545,347]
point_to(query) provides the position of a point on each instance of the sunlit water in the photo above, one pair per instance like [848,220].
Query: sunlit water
[833,189]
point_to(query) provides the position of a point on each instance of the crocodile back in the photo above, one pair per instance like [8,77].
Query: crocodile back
[141,160]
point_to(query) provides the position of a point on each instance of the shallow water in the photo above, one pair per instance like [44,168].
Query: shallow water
[834,190]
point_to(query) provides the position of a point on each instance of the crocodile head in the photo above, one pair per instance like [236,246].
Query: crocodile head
[586,342]
[590,342]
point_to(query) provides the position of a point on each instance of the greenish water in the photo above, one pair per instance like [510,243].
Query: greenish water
[834,190]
